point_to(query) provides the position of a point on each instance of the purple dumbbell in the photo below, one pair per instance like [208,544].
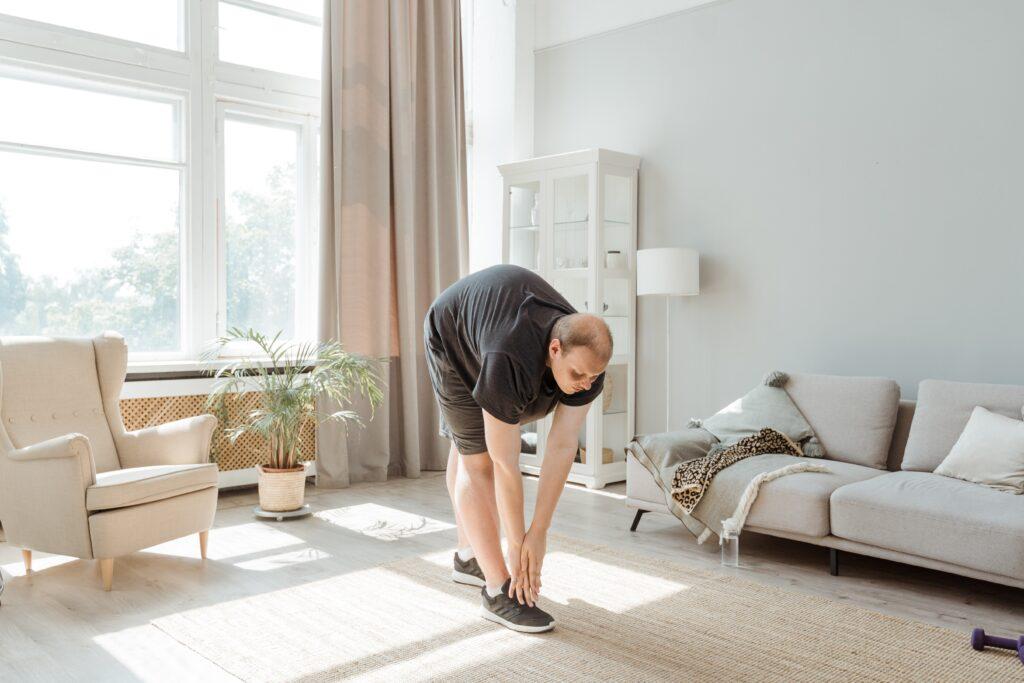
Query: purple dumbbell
[979,641]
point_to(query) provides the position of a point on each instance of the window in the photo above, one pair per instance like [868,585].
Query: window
[245,34]
[153,22]
[263,240]
[141,195]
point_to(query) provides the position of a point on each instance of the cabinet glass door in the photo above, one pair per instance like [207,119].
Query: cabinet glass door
[531,446]
[570,216]
[614,405]
[524,225]
[616,227]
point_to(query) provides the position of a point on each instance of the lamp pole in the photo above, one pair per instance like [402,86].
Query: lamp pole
[668,361]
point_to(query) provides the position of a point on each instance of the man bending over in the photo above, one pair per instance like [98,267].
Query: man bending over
[505,349]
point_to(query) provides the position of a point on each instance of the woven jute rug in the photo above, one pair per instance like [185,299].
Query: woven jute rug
[620,617]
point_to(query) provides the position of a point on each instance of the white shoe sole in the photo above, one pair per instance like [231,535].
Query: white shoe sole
[491,616]
[468,579]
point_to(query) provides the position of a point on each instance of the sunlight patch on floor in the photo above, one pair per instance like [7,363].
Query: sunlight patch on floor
[282,560]
[230,541]
[381,522]
[353,618]
[39,563]
[619,589]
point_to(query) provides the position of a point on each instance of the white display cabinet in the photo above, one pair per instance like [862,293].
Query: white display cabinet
[572,219]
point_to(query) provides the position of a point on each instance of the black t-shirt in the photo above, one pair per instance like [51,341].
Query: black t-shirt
[494,327]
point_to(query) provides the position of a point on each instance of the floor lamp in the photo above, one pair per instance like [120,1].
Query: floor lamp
[667,272]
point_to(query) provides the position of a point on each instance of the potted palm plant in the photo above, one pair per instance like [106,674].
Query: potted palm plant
[290,378]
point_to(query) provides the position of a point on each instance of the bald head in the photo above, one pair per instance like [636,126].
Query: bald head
[584,329]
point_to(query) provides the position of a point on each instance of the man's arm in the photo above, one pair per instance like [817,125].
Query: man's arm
[559,453]
[503,444]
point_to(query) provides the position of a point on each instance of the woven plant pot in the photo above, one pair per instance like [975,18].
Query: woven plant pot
[281,490]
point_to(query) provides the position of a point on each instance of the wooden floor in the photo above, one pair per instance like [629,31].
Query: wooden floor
[58,624]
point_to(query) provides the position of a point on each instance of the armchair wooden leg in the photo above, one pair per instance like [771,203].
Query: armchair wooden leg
[26,556]
[107,569]
[203,537]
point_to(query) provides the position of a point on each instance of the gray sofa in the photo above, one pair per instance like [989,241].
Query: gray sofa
[881,497]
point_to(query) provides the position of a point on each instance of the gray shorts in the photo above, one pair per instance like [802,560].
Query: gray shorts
[462,420]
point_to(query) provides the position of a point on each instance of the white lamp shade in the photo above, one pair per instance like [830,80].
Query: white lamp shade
[669,271]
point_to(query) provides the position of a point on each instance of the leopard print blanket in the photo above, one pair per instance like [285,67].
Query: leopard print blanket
[692,478]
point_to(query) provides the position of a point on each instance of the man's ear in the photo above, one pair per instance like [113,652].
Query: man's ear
[554,347]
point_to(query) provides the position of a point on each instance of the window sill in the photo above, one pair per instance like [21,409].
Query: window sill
[149,371]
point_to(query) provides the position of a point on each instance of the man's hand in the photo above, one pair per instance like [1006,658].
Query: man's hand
[518,587]
[535,545]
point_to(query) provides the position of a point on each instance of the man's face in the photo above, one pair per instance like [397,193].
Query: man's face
[576,370]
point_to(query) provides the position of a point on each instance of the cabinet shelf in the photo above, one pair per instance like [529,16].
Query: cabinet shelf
[570,272]
[531,228]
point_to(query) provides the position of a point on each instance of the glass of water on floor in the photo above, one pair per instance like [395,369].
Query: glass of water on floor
[730,542]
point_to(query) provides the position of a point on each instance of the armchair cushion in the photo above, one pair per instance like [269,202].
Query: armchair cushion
[137,485]
[182,442]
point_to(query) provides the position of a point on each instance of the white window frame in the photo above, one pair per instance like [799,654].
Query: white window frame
[204,86]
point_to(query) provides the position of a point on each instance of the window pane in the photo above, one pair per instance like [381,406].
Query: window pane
[261,230]
[154,22]
[245,35]
[87,247]
[56,116]
[313,8]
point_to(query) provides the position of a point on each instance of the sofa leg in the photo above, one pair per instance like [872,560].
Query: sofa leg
[636,519]
[107,569]
[26,557]
[203,537]
[833,562]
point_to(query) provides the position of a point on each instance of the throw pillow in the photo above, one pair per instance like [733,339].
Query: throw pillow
[668,449]
[990,451]
[692,478]
[765,406]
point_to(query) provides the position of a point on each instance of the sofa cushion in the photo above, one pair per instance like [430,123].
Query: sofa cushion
[990,451]
[943,409]
[796,503]
[137,485]
[936,517]
[853,417]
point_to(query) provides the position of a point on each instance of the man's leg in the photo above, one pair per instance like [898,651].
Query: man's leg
[450,475]
[476,506]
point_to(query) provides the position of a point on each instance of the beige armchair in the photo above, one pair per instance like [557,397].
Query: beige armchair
[72,480]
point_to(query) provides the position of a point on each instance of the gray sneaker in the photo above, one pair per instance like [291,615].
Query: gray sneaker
[467,572]
[507,611]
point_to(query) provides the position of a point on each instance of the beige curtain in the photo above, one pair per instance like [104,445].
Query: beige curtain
[394,222]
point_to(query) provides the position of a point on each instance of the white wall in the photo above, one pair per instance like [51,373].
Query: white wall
[561,21]
[851,171]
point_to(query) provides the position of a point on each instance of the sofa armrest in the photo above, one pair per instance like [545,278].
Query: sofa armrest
[182,442]
[42,495]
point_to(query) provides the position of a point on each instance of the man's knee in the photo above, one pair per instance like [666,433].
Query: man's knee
[476,466]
